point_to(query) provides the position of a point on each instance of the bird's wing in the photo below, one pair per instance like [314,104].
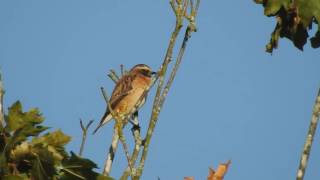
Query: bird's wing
[123,88]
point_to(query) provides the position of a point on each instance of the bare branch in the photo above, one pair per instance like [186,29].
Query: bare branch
[112,151]
[113,76]
[84,135]
[122,69]
[311,133]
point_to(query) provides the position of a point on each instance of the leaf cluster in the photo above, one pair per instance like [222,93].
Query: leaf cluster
[295,19]
[25,154]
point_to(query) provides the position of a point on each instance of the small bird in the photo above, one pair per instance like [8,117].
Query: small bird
[129,90]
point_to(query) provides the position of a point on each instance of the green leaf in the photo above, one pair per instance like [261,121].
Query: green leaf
[271,7]
[17,119]
[14,119]
[21,151]
[56,139]
[22,134]
[307,10]
[42,155]
[294,19]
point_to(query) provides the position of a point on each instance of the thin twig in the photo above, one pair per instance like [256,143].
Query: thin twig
[311,134]
[2,123]
[84,134]
[122,70]
[113,76]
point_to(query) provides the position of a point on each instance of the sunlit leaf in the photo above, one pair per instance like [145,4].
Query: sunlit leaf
[294,19]
[219,173]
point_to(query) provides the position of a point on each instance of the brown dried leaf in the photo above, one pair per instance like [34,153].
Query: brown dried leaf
[221,171]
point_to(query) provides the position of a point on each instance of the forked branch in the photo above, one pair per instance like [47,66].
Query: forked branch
[84,134]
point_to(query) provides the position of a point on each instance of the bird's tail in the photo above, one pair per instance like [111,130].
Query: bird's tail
[105,119]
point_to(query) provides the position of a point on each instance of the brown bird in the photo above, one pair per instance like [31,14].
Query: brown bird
[129,90]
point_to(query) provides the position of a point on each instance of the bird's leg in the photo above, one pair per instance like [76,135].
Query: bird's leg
[135,128]
[134,120]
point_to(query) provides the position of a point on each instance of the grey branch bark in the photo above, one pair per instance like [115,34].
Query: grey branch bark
[309,140]
[112,150]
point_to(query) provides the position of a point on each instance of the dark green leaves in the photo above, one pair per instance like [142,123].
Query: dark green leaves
[25,154]
[22,124]
[76,168]
[294,20]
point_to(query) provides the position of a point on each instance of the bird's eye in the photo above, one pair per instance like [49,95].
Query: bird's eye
[145,73]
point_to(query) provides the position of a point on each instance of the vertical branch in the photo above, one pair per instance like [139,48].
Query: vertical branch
[1,103]
[311,133]
[84,135]
[176,66]
[180,11]
[168,57]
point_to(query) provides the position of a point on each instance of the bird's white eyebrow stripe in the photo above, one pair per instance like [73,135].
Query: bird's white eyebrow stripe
[141,66]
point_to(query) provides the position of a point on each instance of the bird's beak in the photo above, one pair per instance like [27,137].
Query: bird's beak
[154,74]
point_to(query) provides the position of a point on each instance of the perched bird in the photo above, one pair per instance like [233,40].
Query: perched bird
[129,90]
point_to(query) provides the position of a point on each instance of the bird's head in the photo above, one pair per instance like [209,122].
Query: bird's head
[143,70]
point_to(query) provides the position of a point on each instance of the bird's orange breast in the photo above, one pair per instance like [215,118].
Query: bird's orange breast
[126,105]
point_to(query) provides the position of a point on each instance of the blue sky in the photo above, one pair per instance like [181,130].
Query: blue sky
[230,99]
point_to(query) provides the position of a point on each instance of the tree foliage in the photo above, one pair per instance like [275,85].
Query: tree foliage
[25,154]
[295,19]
